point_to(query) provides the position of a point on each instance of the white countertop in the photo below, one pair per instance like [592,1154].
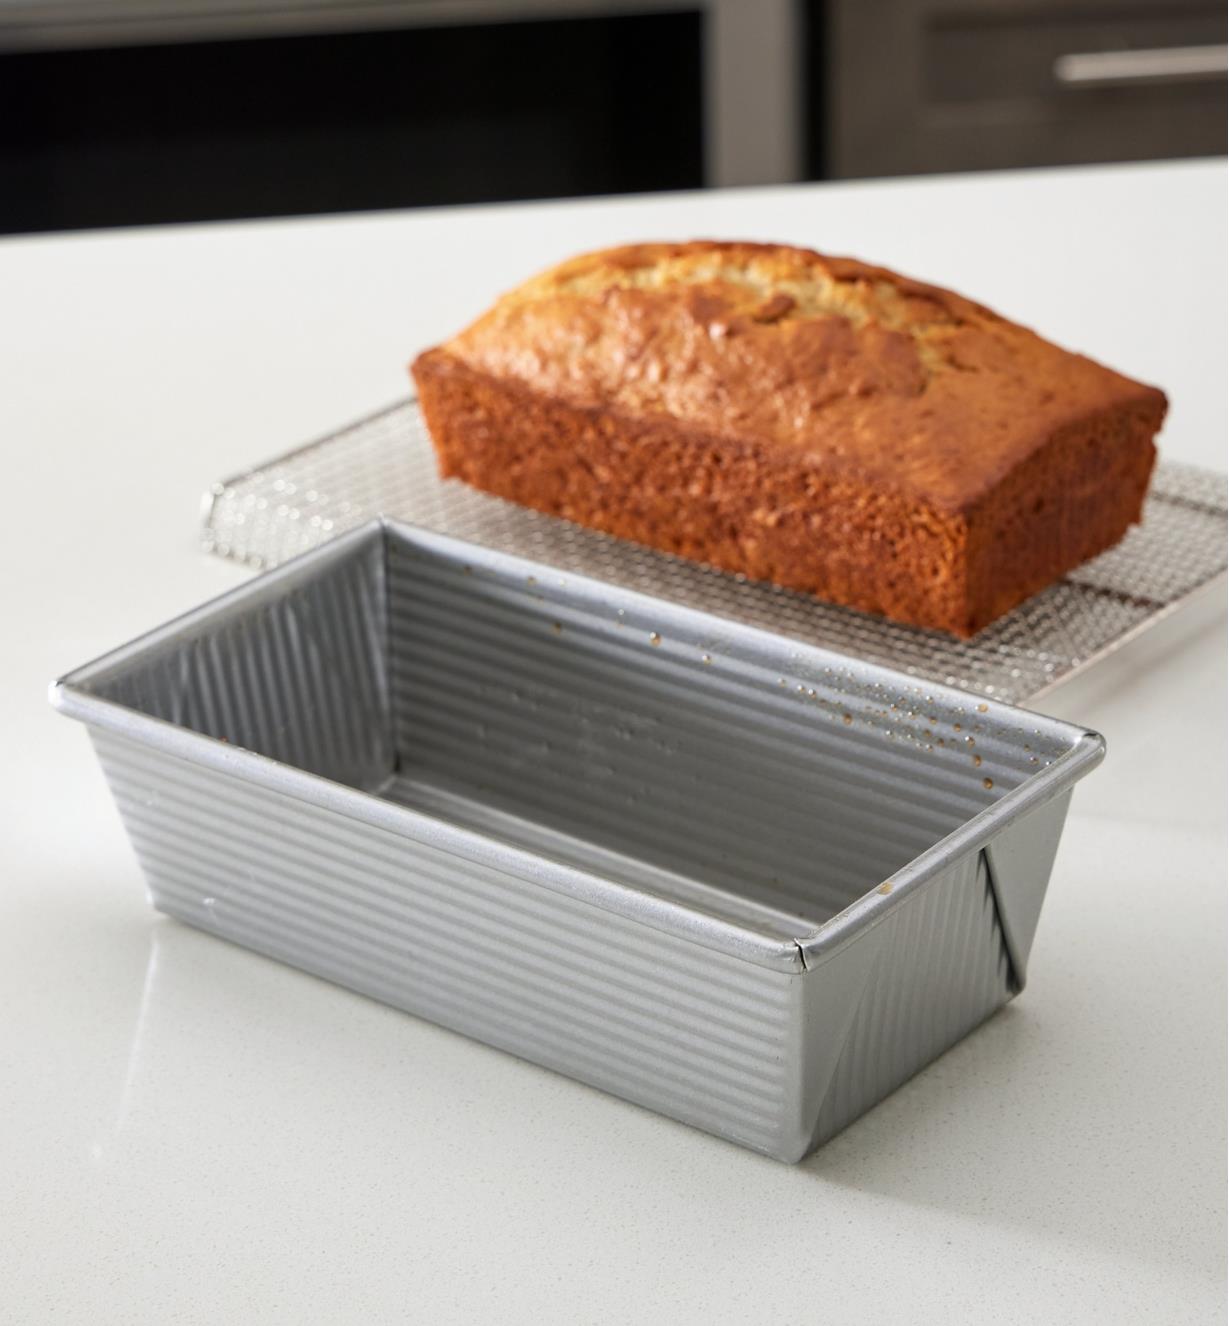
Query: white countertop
[192,1133]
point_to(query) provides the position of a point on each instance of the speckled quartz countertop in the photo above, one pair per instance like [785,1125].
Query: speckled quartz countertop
[192,1133]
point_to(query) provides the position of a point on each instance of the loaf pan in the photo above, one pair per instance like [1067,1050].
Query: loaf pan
[750,884]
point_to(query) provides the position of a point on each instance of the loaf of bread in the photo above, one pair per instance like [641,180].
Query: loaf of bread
[814,422]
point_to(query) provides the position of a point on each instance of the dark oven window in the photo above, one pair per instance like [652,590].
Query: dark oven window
[308,124]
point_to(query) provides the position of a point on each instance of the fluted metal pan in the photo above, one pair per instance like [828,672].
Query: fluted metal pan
[748,883]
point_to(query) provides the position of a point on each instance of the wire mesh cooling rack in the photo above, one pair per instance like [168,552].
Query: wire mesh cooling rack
[384,465]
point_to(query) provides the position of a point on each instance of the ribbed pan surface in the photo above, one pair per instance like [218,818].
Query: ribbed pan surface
[651,1017]
[596,733]
[300,677]
[940,968]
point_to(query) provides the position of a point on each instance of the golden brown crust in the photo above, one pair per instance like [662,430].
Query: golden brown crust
[817,422]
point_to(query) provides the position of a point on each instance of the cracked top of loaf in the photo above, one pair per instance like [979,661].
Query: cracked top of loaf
[912,388]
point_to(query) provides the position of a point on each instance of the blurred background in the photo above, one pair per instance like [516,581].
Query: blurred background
[123,112]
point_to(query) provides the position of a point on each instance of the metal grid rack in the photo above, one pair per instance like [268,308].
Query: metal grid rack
[384,465]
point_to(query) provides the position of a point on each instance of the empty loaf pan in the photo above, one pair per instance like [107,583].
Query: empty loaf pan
[747,883]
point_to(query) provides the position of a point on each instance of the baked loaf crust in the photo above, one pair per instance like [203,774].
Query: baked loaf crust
[814,422]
